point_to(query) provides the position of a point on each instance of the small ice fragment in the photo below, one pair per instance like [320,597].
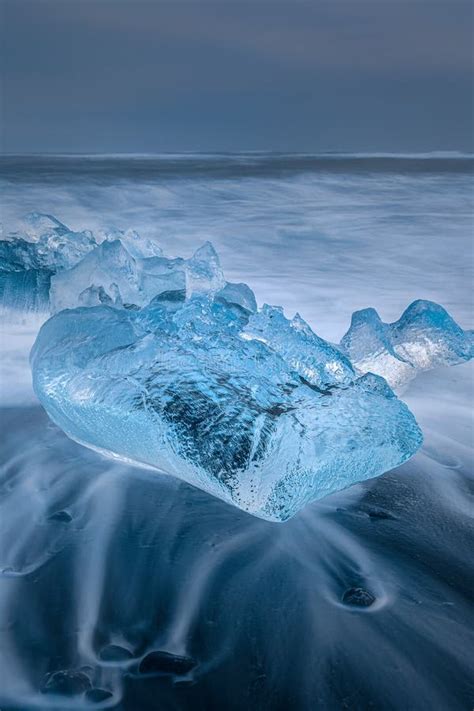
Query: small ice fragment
[104,270]
[238,295]
[424,337]
[368,343]
[139,247]
[38,224]
[203,272]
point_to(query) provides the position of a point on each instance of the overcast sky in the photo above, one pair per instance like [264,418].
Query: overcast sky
[157,75]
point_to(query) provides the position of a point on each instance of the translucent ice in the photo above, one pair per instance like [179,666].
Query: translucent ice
[424,337]
[24,278]
[28,260]
[45,248]
[180,387]
[56,246]
[109,268]
[314,359]
[133,282]
[238,295]
[161,362]
[137,246]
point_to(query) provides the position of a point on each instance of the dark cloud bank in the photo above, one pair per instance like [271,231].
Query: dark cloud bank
[137,76]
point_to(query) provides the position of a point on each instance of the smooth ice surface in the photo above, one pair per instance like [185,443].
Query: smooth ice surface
[424,337]
[168,366]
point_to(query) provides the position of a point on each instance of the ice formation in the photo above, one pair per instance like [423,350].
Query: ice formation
[424,337]
[161,362]
[32,261]
[29,259]
[177,386]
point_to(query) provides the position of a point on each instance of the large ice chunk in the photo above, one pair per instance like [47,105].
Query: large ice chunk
[424,337]
[188,386]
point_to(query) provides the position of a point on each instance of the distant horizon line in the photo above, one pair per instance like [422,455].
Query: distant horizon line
[440,154]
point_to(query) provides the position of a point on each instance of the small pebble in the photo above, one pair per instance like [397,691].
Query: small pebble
[66,682]
[358,597]
[165,663]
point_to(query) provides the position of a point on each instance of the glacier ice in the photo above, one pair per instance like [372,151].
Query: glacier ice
[32,261]
[315,360]
[182,391]
[135,281]
[54,244]
[163,363]
[424,337]
[30,258]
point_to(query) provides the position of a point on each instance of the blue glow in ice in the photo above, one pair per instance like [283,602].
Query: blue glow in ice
[161,362]
[424,337]
[168,366]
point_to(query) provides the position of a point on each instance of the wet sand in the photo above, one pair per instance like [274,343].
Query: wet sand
[129,590]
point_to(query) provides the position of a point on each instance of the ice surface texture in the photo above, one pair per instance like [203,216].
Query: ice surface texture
[177,387]
[29,259]
[424,337]
[109,274]
[169,366]
[33,259]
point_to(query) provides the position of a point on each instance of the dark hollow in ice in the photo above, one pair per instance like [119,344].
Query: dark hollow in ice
[358,597]
[98,695]
[115,653]
[165,663]
[67,683]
